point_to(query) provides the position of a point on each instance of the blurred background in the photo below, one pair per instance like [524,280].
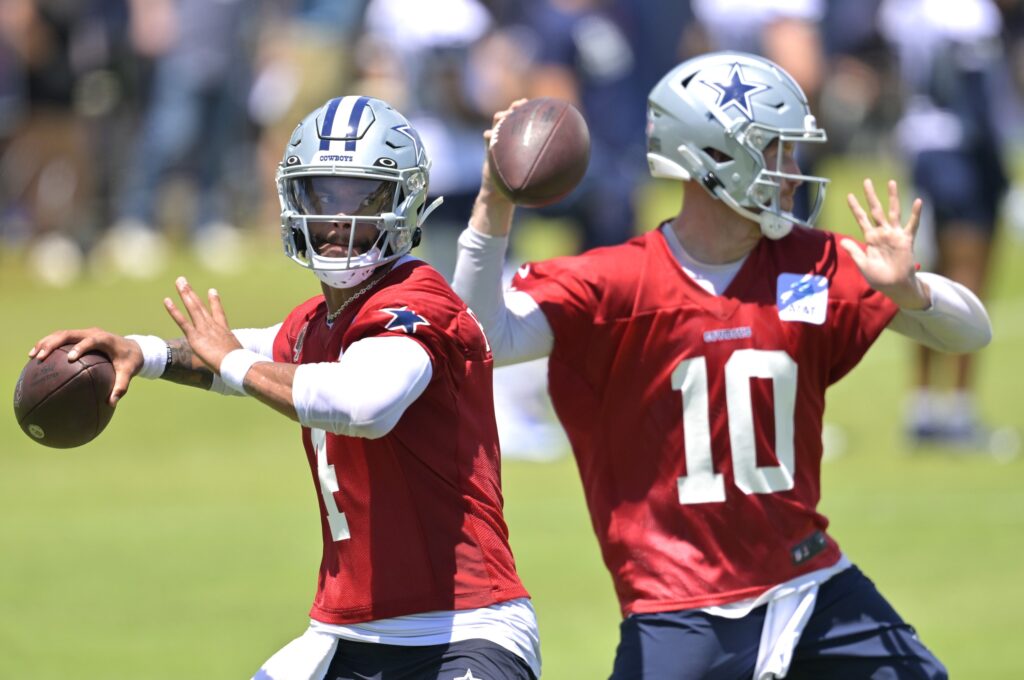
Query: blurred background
[139,140]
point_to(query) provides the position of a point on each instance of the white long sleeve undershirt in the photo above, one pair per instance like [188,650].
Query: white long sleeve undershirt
[366,391]
[517,330]
[363,394]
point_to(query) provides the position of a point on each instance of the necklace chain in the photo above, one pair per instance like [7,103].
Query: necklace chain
[331,316]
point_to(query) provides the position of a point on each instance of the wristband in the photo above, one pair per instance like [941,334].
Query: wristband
[156,354]
[236,364]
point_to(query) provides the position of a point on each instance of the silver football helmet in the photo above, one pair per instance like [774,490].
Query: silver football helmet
[353,162]
[712,118]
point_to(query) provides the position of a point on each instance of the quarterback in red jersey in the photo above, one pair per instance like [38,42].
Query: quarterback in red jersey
[389,375]
[689,367]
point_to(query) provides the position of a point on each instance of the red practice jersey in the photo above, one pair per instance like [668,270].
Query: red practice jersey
[696,419]
[412,521]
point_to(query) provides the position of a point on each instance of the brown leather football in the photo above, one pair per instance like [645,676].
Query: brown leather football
[63,403]
[539,152]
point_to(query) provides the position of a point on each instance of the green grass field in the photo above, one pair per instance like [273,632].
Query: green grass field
[183,543]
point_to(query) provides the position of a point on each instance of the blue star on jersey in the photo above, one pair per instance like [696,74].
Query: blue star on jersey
[404,318]
[737,92]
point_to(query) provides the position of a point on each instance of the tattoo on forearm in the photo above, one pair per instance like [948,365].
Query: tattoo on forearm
[185,368]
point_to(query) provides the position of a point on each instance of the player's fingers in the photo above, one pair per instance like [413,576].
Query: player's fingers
[122,378]
[874,205]
[500,115]
[858,213]
[915,217]
[86,344]
[189,299]
[216,308]
[48,343]
[894,203]
[184,324]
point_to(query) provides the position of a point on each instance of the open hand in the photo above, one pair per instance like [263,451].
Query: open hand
[887,260]
[206,330]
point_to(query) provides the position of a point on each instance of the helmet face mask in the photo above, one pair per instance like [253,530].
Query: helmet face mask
[354,163]
[733,122]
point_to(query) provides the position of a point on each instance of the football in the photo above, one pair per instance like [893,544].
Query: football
[61,403]
[539,152]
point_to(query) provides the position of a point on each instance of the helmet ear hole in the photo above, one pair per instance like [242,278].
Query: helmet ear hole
[417,234]
[716,155]
[300,242]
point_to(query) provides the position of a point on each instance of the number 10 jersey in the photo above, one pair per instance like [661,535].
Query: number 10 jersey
[696,419]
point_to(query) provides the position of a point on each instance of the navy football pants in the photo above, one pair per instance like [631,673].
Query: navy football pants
[854,633]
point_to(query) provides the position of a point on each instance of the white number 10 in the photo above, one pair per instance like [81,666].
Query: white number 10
[702,484]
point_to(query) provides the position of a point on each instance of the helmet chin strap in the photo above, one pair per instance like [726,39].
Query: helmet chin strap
[434,205]
[772,225]
[349,278]
[344,279]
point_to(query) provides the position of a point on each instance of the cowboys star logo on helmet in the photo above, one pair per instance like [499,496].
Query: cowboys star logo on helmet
[409,132]
[736,92]
[695,132]
[357,170]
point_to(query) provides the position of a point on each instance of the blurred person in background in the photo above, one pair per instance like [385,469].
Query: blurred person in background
[389,375]
[55,87]
[956,81]
[689,368]
[195,122]
[305,50]
[853,99]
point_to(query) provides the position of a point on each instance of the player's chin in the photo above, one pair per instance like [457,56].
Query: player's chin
[786,203]
[335,251]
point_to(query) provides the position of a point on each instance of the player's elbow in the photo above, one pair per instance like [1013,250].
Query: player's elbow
[370,425]
[967,340]
[979,339]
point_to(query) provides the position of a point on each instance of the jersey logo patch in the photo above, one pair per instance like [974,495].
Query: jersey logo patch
[723,334]
[802,297]
[404,318]
[297,354]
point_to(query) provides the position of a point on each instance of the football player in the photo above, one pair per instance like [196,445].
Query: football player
[689,367]
[390,377]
